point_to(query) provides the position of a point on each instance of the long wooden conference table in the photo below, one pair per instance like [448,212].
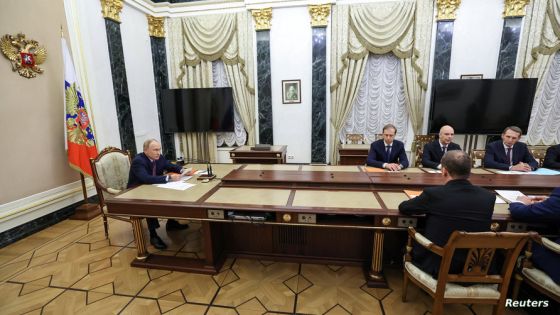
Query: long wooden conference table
[314,214]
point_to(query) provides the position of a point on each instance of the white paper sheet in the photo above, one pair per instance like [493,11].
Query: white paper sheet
[509,195]
[176,185]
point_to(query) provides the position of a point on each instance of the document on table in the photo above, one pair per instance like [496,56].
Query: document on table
[412,193]
[540,171]
[176,185]
[509,195]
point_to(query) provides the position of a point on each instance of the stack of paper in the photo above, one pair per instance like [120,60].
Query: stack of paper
[176,185]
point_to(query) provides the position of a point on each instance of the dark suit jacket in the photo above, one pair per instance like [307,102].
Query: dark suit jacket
[458,205]
[547,212]
[376,156]
[141,170]
[431,156]
[552,157]
[495,156]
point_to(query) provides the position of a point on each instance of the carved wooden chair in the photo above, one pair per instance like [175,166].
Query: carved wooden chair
[477,157]
[110,175]
[448,288]
[354,138]
[418,147]
[533,276]
[538,153]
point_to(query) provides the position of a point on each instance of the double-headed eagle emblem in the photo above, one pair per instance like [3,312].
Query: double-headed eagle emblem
[24,54]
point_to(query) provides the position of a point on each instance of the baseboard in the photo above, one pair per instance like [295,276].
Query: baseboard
[30,208]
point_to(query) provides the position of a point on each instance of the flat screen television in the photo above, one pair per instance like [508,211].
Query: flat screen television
[197,110]
[481,106]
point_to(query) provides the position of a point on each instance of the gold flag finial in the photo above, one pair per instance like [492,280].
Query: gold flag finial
[514,8]
[111,9]
[319,14]
[262,18]
[446,9]
[156,26]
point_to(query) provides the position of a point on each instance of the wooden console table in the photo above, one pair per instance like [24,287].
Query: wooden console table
[353,154]
[244,154]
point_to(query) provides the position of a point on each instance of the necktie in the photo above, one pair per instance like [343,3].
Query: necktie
[444,149]
[508,155]
[153,168]
[388,153]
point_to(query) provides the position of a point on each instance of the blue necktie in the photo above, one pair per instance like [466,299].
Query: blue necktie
[153,168]
[388,154]
[508,155]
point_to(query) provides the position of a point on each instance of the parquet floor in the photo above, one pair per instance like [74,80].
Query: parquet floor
[70,268]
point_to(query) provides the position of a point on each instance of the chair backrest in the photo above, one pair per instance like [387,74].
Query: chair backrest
[110,170]
[418,147]
[354,138]
[538,153]
[477,157]
[481,248]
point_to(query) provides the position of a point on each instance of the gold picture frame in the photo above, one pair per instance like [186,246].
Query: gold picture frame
[291,91]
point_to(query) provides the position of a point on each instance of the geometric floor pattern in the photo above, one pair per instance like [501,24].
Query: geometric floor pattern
[70,268]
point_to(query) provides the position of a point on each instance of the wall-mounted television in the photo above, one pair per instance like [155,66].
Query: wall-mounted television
[481,106]
[197,110]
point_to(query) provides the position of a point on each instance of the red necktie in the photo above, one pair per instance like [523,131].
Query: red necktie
[153,168]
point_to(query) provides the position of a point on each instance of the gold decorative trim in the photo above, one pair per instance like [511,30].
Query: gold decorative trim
[319,15]
[24,54]
[156,26]
[514,8]
[262,19]
[111,9]
[447,9]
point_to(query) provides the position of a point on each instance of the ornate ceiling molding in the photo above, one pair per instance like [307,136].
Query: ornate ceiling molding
[514,8]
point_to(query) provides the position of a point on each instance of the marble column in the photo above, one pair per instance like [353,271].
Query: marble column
[262,18]
[442,56]
[319,21]
[159,61]
[111,11]
[508,48]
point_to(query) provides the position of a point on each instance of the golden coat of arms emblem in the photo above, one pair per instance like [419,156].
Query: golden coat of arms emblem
[24,54]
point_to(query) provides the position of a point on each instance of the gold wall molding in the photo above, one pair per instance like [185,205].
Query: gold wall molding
[111,9]
[156,26]
[446,9]
[262,18]
[24,54]
[514,8]
[319,15]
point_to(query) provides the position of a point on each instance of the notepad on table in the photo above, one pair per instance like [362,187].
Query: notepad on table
[412,193]
[373,169]
[509,195]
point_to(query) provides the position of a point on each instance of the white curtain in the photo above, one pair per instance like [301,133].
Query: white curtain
[544,126]
[239,136]
[380,100]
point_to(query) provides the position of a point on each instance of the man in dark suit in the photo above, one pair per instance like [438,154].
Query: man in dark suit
[541,210]
[388,153]
[147,168]
[434,151]
[458,205]
[509,154]
[552,157]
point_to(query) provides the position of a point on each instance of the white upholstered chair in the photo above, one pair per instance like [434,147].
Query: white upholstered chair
[533,276]
[449,288]
[110,175]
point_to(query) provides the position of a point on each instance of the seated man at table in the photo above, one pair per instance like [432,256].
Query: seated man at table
[388,153]
[541,210]
[433,151]
[147,168]
[457,205]
[509,154]
[552,157]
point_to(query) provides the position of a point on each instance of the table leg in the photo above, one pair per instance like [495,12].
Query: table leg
[139,237]
[375,276]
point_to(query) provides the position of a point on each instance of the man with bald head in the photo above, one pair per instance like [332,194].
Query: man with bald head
[434,151]
[147,168]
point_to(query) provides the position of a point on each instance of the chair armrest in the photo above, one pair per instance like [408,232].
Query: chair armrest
[424,242]
[113,191]
[547,243]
